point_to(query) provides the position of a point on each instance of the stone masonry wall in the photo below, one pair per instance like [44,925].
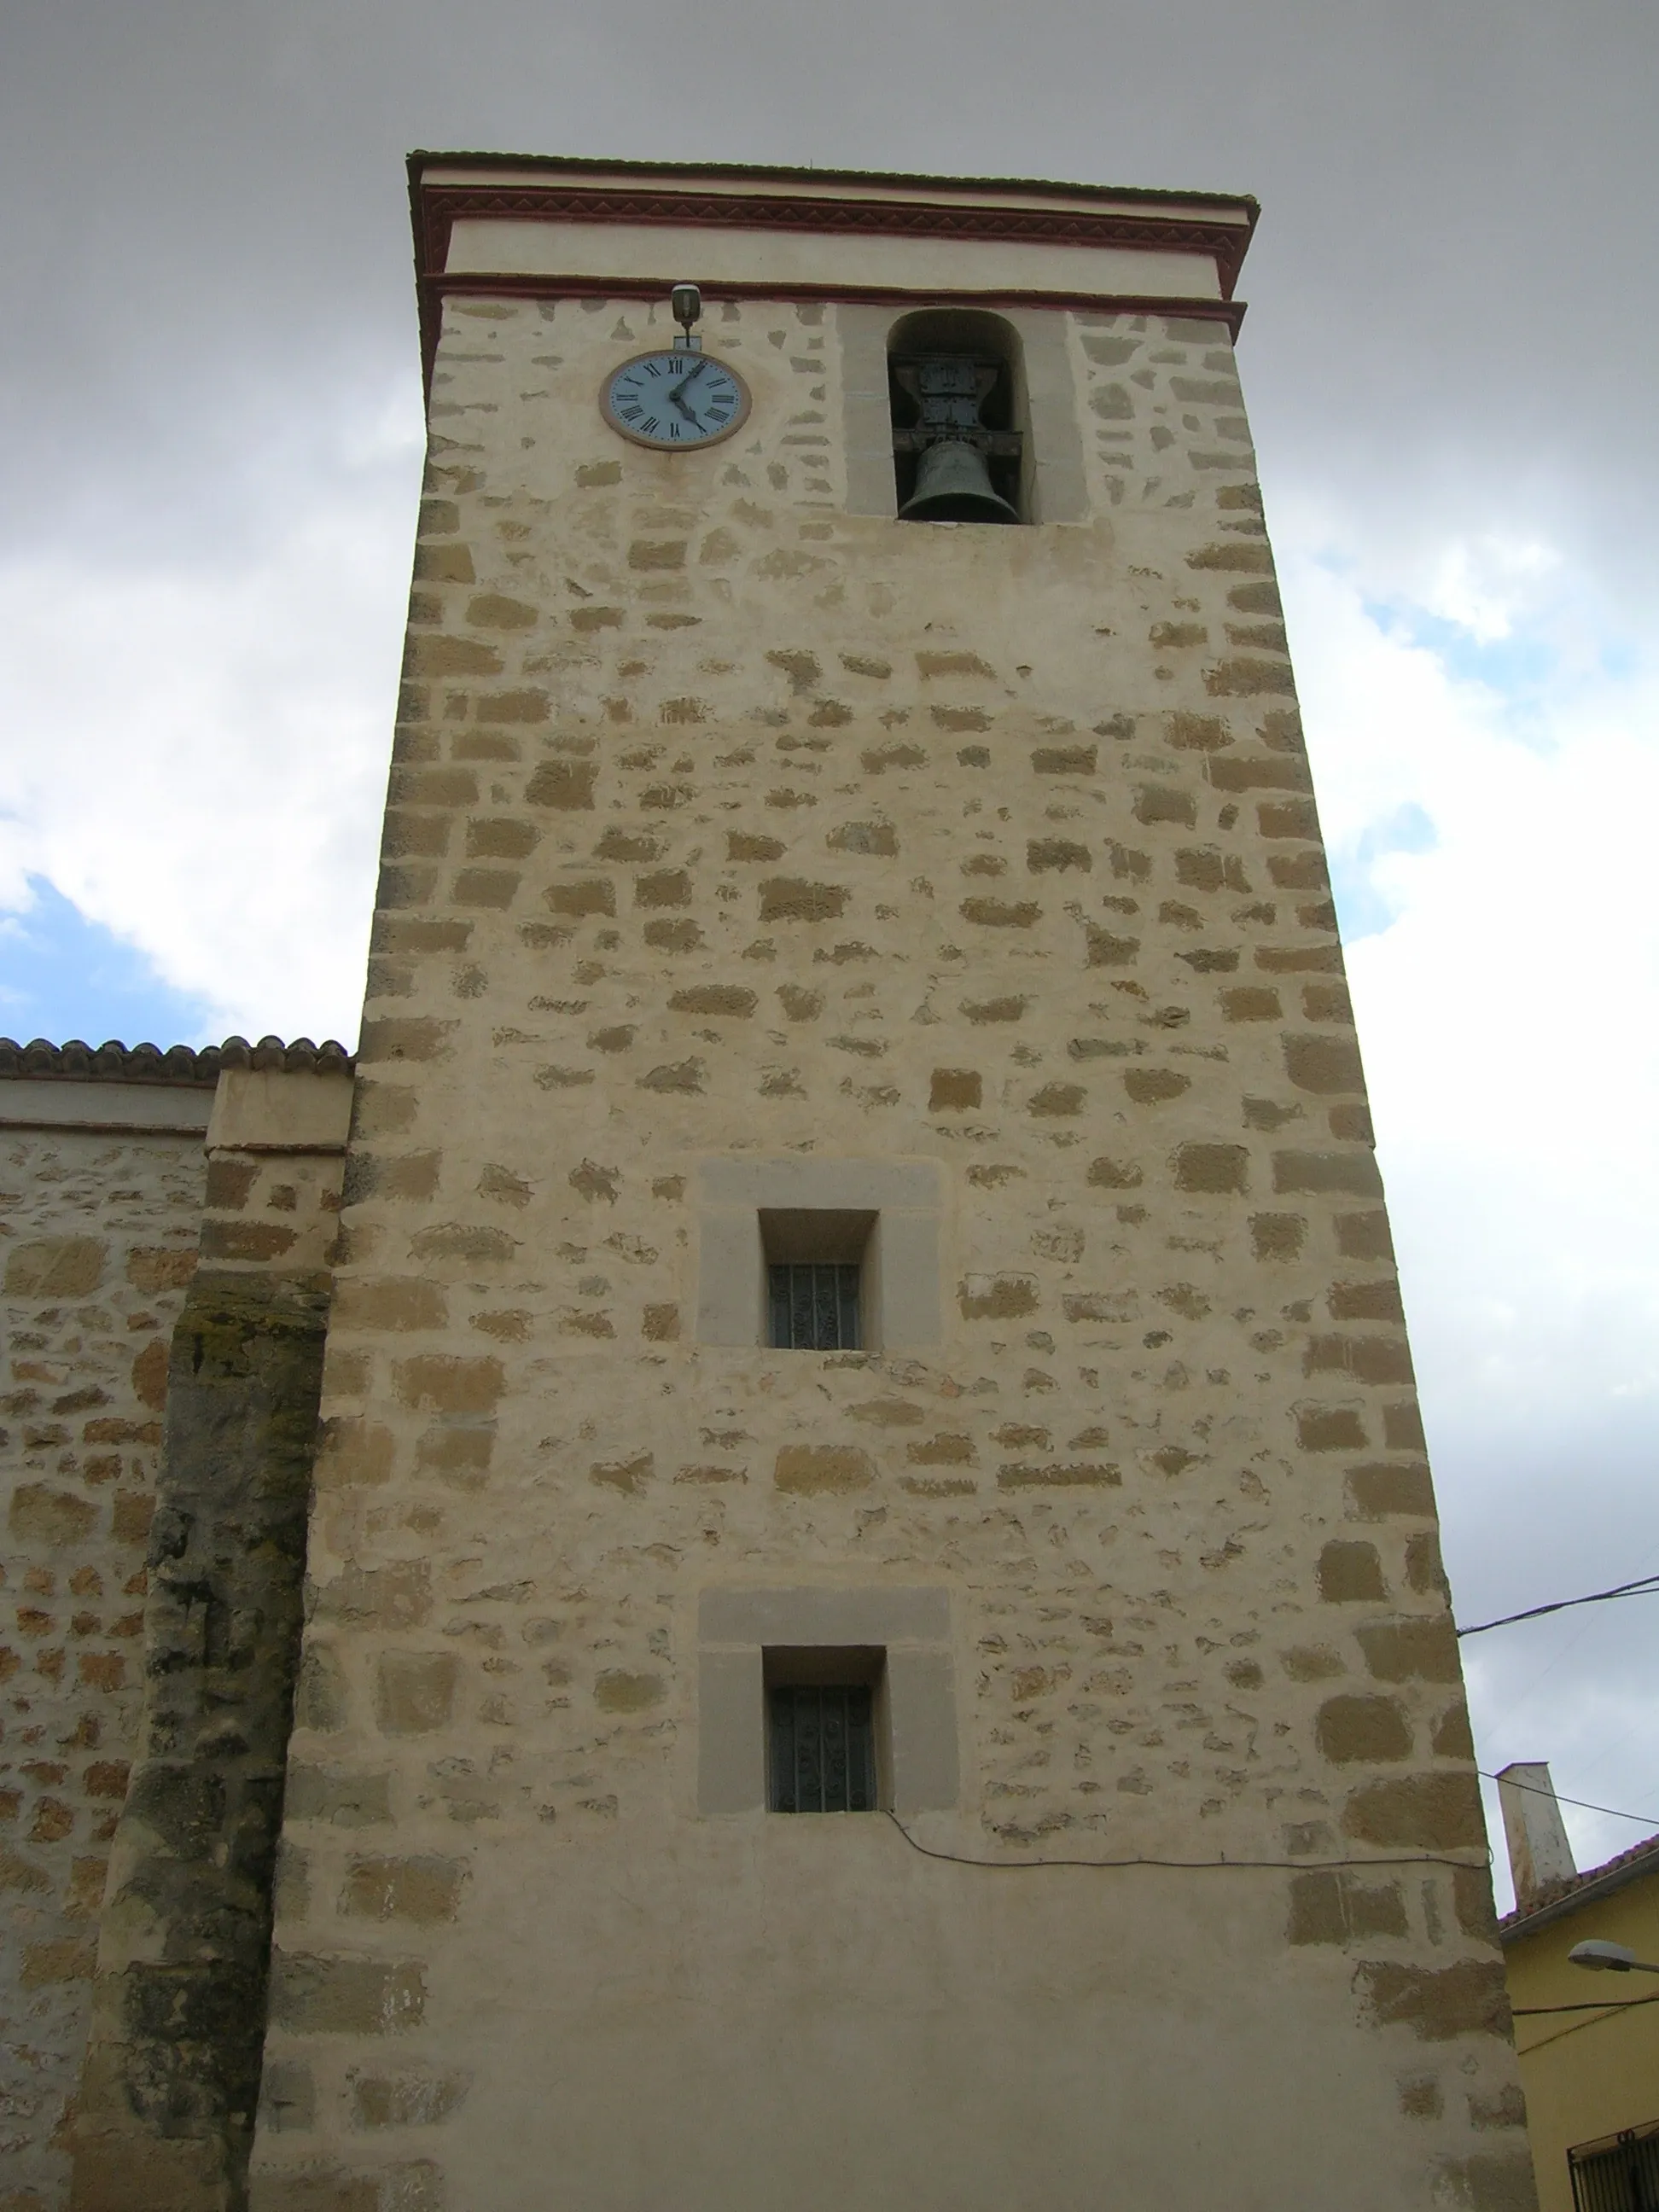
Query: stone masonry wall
[98,1240]
[173,2064]
[723,822]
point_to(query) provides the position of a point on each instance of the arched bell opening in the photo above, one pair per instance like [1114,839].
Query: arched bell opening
[956,390]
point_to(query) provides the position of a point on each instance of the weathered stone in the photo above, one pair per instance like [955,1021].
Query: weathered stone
[567,785]
[449,1382]
[814,1470]
[1438,2003]
[247,1240]
[1324,1063]
[997,1297]
[398,1595]
[1489,2182]
[56,1268]
[1216,1169]
[954,1089]
[1349,1573]
[1048,855]
[791,898]
[1155,1086]
[1073,1474]
[1352,1730]
[313,1994]
[1250,1003]
[594,895]
[423,1889]
[619,1692]
[1000,914]
[403,1302]
[406,2100]
[345,1797]
[715,998]
[415,1691]
[1329,1428]
[1410,1650]
[1426,1812]
[450,656]
[1326,1172]
[1330,1907]
[41,1515]
[1376,1491]
[154,1268]
[1277,1236]
[1156,802]
[204,1798]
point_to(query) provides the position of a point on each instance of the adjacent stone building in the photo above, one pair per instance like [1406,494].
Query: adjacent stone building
[861,1284]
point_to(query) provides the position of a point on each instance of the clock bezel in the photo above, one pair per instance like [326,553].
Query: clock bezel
[674,444]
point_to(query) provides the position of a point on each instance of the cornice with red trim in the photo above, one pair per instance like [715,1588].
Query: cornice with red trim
[436,207]
[444,204]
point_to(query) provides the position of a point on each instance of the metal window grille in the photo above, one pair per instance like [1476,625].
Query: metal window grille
[822,1751]
[1618,2173]
[815,1308]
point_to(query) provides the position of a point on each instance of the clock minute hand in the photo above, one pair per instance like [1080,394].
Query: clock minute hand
[677,392]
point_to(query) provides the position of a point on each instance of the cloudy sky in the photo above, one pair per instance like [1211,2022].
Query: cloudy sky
[210,408]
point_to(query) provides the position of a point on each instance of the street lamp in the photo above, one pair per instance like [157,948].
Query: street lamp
[1609,1957]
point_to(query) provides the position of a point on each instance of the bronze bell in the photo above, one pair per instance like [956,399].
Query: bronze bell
[953,484]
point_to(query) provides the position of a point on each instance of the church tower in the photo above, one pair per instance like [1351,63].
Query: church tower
[874,1630]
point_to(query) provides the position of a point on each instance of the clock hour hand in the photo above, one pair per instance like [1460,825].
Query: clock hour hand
[676,392]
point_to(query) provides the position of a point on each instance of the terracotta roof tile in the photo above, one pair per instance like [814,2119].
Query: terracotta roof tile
[1557,1893]
[114,1062]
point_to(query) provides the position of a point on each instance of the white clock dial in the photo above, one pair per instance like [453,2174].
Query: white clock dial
[674,401]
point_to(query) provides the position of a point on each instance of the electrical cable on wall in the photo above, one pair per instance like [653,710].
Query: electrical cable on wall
[1188,1866]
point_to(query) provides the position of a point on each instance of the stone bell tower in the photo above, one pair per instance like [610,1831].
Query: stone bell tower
[874,1632]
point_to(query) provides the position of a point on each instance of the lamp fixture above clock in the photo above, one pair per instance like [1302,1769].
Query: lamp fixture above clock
[669,401]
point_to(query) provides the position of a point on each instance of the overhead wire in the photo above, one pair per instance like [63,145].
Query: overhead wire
[1644,1586]
[1647,1585]
[1507,1782]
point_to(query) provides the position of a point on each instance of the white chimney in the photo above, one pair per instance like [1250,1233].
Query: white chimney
[1540,1853]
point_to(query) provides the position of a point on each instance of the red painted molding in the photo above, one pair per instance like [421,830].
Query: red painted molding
[1225,242]
[436,208]
[1229,313]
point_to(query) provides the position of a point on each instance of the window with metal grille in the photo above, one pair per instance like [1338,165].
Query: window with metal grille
[815,1307]
[822,1755]
[1617,2173]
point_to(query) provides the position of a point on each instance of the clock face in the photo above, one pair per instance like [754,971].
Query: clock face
[673,401]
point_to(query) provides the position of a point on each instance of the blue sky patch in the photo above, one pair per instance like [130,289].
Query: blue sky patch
[1518,666]
[1362,908]
[63,976]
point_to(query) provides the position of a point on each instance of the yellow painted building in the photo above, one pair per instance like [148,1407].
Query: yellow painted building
[1588,2043]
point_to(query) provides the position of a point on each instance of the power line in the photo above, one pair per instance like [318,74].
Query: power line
[1647,1586]
[1647,1819]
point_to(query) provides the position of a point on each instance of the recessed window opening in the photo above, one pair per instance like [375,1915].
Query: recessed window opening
[815,1279]
[824,1714]
[957,394]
